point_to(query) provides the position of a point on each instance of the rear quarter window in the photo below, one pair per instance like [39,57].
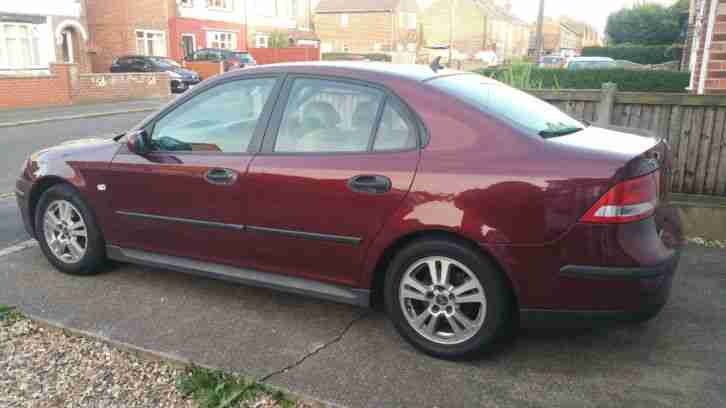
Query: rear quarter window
[521,110]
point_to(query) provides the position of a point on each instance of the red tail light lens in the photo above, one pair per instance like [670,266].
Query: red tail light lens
[629,201]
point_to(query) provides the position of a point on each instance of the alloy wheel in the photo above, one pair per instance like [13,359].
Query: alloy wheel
[442,300]
[65,231]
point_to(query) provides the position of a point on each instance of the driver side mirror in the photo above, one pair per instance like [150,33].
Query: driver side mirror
[138,142]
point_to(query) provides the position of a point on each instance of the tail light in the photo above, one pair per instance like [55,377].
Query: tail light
[628,201]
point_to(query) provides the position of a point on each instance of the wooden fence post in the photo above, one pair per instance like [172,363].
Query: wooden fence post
[607,103]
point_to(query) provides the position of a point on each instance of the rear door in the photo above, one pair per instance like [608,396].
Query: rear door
[337,160]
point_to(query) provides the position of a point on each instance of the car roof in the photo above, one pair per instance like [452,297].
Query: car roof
[353,69]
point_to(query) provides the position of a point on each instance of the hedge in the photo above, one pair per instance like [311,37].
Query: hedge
[348,56]
[641,54]
[633,81]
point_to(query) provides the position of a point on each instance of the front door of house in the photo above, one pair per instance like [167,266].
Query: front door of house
[187,45]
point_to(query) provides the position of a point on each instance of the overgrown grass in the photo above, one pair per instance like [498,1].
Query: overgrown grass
[9,314]
[216,389]
[519,75]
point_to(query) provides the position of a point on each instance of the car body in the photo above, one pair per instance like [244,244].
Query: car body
[552,61]
[578,63]
[232,59]
[350,173]
[181,78]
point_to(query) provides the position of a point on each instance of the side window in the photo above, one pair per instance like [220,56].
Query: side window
[328,116]
[394,132]
[221,119]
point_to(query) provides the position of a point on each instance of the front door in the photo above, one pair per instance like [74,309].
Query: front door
[188,46]
[189,196]
[339,161]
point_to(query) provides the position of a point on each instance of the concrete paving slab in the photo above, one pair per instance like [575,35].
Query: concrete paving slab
[355,358]
[254,331]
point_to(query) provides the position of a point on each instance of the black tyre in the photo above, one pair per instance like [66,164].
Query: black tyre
[447,299]
[68,233]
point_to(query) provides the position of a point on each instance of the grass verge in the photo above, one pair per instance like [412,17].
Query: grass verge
[216,389]
[9,314]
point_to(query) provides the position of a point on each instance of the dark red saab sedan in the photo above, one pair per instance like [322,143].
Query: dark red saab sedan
[465,206]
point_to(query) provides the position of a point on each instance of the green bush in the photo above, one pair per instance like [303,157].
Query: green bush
[642,54]
[633,81]
[349,56]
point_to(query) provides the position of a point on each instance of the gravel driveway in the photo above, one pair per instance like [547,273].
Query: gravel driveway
[49,368]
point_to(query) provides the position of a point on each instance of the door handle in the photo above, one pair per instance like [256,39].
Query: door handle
[370,184]
[221,176]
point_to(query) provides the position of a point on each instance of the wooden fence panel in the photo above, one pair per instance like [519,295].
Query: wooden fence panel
[717,142]
[693,125]
[704,151]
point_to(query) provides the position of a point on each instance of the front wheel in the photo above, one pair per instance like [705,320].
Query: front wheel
[67,232]
[447,299]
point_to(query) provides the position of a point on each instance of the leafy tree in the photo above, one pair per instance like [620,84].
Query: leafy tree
[646,24]
[278,39]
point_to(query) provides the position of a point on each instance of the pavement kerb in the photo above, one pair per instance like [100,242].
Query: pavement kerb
[173,360]
[74,117]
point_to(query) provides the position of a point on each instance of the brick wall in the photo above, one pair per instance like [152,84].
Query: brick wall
[115,87]
[65,85]
[716,79]
[470,26]
[30,91]
[363,32]
[277,55]
[112,25]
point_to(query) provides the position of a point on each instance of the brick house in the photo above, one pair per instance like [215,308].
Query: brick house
[292,17]
[170,28]
[127,27]
[705,53]
[195,24]
[477,25]
[364,26]
[36,33]
[560,38]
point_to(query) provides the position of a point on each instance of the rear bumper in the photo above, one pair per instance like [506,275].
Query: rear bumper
[653,283]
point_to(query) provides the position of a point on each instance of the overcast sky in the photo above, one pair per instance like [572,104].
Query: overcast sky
[594,12]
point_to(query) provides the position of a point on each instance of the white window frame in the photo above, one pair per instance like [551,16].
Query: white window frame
[220,5]
[33,42]
[226,40]
[262,40]
[145,50]
[344,20]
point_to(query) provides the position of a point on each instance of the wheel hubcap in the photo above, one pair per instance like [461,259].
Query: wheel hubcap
[65,231]
[442,300]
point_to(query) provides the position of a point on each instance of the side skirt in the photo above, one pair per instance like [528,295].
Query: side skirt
[300,286]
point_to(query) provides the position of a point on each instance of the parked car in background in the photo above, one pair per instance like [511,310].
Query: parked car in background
[488,57]
[181,78]
[577,63]
[232,59]
[343,181]
[552,61]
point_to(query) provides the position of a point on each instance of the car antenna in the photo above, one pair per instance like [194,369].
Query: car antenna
[436,64]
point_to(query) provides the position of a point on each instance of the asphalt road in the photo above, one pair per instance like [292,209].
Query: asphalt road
[354,357]
[17,143]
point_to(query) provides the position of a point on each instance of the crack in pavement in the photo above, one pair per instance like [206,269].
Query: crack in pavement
[316,350]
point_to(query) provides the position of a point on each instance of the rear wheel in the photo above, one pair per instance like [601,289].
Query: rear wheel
[447,299]
[67,231]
